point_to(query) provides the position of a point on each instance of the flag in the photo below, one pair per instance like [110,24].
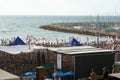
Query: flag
[97,40]
[113,47]
[116,39]
[108,40]
[87,40]
[111,39]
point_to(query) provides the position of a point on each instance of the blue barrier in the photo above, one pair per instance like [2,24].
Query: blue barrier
[30,73]
[63,74]
[70,73]
[60,73]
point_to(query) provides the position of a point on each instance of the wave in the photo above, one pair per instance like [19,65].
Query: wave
[4,29]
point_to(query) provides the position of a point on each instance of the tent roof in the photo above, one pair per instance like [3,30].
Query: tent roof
[78,50]
[17,41]
[16,49]
[7,76]
[74,42]
[20,48]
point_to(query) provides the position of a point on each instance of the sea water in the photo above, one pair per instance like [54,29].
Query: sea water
[13,26]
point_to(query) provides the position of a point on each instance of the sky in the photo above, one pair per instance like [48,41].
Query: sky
[59,7]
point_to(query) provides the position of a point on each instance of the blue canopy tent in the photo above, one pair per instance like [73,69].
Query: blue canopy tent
[74,42]
[17,41]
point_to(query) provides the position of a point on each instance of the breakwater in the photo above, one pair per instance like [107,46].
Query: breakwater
[86,29]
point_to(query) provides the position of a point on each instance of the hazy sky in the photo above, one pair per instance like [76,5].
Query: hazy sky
[59,7]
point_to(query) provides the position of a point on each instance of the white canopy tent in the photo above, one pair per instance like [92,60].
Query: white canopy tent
[19,48]
[7,76]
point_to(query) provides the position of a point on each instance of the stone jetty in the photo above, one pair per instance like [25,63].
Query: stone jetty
[86,28]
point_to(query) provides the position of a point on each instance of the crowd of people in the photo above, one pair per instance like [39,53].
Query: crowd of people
[30,40]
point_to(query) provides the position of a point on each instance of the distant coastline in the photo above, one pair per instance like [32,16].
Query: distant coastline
[86,28]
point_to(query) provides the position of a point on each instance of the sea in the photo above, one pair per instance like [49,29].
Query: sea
[22,26]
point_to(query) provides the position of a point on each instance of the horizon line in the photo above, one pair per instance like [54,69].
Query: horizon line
[58,15]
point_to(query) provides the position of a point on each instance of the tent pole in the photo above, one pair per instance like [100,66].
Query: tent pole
[74,68]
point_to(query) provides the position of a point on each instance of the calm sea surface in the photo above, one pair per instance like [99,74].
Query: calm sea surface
[13,26]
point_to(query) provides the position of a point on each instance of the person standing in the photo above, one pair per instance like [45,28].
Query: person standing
[105,73]
[93,75]
[114,70]
[57,77]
